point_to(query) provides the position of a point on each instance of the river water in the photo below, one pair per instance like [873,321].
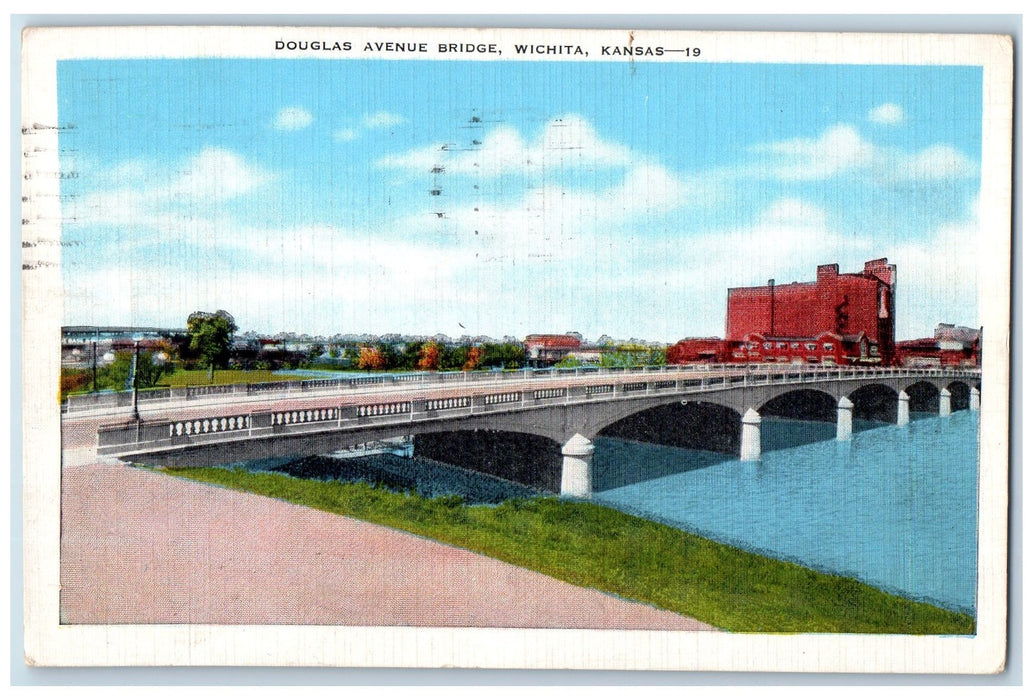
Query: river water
[894,507]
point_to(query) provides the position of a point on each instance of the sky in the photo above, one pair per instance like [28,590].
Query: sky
[508,198]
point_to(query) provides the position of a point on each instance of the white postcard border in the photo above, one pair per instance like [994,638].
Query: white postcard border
[49,643]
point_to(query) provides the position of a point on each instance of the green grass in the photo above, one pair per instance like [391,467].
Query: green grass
[196,377]
[636,559]
[78,381]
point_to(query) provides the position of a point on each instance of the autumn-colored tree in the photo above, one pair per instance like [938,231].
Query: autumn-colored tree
[430,357]
[473,359]
[371,358]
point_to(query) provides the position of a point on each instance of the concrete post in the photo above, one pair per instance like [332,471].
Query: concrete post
[945,402]
[844,419]
[750,448]
[903,408]
[576,480]
[973,399]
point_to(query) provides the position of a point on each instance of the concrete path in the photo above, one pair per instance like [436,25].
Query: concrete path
[144,547]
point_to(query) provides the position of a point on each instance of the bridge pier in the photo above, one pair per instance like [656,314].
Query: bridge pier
[945,402]
[844,419]
[903,408]
[973,399]
[750,447]
[576,481]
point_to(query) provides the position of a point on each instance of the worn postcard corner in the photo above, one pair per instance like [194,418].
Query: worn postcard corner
[584,349]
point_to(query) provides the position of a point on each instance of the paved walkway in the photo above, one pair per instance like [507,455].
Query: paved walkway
[144,547]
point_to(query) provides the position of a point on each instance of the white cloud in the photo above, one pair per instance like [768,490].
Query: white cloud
[564,143]
[161,196]
[938,162]
[888,114]
[215,174]
[382,120]
[292,119]
[346,134]
[369,122]
[317,279]
[574,135]
[938,277]
[558,222]
[840,149]
[794,212]
[786,241]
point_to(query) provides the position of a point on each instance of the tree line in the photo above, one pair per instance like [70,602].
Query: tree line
[208,344]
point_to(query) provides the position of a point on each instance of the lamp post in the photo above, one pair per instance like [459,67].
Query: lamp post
[136,360]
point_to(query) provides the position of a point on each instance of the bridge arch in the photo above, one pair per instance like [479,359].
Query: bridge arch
[526,458]
[875,402]
[695,424]
[960,395]
[925,397]
[801,404]
[797,417]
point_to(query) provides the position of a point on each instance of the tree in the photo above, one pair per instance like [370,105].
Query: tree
[210,337]
[410,355]
[430,356]
[454,357]
[507,355]
[371,358]
[473,359]
[118,375]
[568,362]
[392,358]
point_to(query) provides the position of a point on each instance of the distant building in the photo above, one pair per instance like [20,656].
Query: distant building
[951,346]
[544,350]
[81,346]
[856,308]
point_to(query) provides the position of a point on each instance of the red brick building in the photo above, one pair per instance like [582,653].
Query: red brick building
[856,308]
[825,348]
[697,350]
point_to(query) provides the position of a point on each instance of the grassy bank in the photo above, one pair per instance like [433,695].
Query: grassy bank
[78,381]
[637,559]
[199,377]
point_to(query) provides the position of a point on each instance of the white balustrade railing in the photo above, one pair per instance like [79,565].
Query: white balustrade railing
[384,409]
[449,403]
[317,415]
[204,426]
[510,397]
[601,385]
[416,381]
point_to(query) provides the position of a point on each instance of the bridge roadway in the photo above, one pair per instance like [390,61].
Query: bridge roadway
[569,408]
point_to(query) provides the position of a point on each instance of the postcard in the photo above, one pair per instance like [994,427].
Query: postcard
[512,348]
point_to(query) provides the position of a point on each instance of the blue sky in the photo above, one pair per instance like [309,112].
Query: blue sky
[325,196]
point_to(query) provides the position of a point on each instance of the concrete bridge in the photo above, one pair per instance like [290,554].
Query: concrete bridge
[533,427]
